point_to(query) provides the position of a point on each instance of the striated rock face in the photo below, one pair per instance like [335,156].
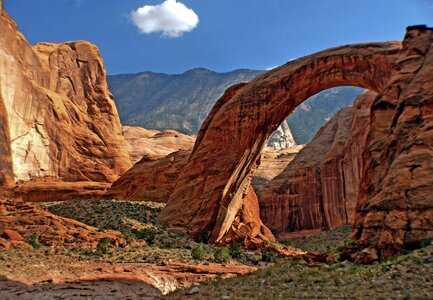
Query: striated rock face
[61,116]
[319,188]
[153,143]
[6,171]
[395,205]
[214,185]
[151,179]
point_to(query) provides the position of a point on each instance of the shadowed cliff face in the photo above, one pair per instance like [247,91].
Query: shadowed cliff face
[319,188]
[61,116]
[212,188]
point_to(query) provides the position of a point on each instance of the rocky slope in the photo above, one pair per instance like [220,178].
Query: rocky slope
[319,188]
[150,179]
[153,143]
[180,102]
[61,116]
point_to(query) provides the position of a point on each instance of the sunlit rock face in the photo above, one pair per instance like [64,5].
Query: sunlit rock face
[282,138]
[319,188]
[154,143]
[61,116]
[395,203]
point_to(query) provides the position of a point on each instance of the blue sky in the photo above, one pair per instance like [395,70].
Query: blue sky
[230,34]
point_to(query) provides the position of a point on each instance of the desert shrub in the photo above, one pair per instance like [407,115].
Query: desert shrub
[222,254]
[33,240]
[415,245]
[198,252]
[103,245]
[235,250]
[268,256]
[149,235]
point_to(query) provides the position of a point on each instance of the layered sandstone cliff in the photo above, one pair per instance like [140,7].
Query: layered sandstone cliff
[395,205]
[319,188]
[61,116]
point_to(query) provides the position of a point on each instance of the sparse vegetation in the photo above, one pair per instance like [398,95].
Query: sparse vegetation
[33,240]
[199,252]
[103,245]
[222,255]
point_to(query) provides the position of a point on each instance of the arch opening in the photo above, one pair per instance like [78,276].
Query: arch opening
[317,184]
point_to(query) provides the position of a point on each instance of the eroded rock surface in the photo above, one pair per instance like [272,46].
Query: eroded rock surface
[154,143]
[151,179]
[61,116]
[214,185]
[319,188]
[395,206]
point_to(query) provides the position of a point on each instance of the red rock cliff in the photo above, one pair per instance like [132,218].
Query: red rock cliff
[62,118]
[395,205]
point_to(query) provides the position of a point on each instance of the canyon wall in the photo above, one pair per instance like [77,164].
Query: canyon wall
[395,205]
[61,116]
[319,188]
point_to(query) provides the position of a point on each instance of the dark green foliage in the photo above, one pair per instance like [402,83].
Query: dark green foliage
[268,256]
[235,250]
[199,252]
[149,235]
[33,240]
[416,245]
[222,255]
[203,237]
[103,245]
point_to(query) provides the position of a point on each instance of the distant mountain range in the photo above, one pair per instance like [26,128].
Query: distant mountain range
[182,101]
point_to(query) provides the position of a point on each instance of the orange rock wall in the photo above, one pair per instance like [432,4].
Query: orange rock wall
[62,118]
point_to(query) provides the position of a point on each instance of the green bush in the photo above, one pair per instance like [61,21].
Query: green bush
[33,240]
[149,235]
[103,245]
[235,250]
[198,252]
[222,255]
[268,256]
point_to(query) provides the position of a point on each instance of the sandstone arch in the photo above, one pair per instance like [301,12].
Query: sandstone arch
[213,191]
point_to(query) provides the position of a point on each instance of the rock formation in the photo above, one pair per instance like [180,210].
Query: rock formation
[319,188]
[153,143]
[213,187]
[151,179]
[395,205]
[61,116]
[272,163]
[282,138]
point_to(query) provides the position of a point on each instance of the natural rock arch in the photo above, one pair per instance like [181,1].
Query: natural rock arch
[213,191]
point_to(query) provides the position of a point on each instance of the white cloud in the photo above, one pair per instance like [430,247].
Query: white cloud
[172,18]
